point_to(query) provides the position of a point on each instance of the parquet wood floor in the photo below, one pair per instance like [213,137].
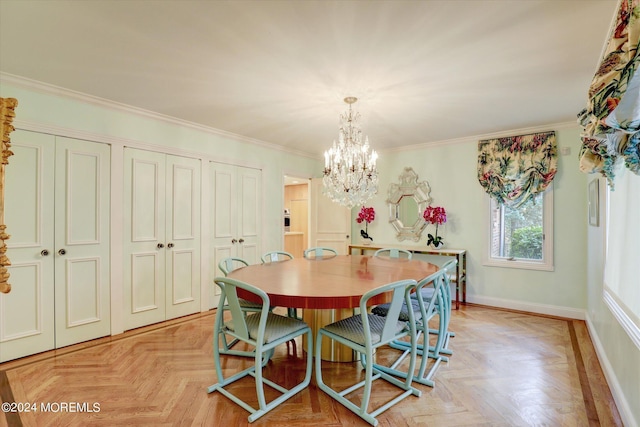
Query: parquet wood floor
[508,369]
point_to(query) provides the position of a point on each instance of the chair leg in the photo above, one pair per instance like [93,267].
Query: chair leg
[431,350]
[424,350]
[260,380]
[292,313]
[285,393]
[293,347]
[372,373]
[420,376]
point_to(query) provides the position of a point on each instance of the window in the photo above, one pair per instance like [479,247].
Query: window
[521,237]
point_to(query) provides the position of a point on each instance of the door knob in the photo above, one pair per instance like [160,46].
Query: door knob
[160,245]
[241,240]
[234,241]
[169,245]
[62,252]
[44,252]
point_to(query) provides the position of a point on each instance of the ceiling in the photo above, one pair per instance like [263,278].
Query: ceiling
[277,71]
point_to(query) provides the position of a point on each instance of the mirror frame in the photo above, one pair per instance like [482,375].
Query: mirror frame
[420,192]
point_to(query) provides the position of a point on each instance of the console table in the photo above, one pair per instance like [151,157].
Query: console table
[459,254]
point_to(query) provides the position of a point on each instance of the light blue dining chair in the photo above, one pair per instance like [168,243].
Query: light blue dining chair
[275,256]
[423,312]
[264,331]
[393,253]
[444,310]
[227,265]
[365,333]
[318,252]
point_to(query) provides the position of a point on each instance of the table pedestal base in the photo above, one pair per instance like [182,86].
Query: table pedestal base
[331,350]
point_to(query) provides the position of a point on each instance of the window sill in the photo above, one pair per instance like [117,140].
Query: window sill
[519,264]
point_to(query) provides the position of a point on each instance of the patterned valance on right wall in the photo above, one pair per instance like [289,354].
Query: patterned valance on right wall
[516,168]
[611,121]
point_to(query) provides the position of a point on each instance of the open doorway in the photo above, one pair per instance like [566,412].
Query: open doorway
[296,215]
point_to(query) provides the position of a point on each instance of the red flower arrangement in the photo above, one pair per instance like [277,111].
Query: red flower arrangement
[438,216]
[366,215]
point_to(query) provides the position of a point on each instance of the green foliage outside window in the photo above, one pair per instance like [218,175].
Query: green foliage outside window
[527,243]
[519,233]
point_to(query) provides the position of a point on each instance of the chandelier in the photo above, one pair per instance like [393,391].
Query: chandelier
[350,174]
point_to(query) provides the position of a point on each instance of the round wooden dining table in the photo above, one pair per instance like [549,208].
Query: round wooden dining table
[328,288]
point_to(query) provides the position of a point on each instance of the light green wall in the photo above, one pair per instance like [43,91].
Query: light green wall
[614,346]
[451,171]
[46,109]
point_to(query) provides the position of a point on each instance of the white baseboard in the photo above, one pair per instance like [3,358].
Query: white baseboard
[551,310]
[618,396]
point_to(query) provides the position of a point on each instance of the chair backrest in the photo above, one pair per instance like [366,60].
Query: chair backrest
[393,253]
[227,265]
[274,256]
[448,268]
[229,288]
[401,291]
[428,307]
[318,252]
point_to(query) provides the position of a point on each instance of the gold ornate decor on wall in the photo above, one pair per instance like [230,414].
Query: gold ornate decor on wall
[7,107]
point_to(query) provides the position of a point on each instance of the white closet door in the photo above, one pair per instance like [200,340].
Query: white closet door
[81,241]
[182,236]
[224,220]
[57,199]
[236,195]
[27,312]
[144,239]
[249,209]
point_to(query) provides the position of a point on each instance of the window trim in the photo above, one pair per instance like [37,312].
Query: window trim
[547,247]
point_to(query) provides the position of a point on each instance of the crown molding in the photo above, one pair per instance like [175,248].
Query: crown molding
[49,89]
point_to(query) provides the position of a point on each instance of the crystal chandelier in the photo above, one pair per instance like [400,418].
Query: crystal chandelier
[350,174]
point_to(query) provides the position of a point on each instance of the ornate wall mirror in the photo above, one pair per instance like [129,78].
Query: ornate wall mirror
[407,200]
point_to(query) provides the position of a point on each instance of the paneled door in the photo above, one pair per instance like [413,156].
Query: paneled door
[330,222]
[236,194]
[57,211]
[162,237]
[82,249]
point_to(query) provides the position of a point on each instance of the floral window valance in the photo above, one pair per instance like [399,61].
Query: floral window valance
[611,121]
[515,168]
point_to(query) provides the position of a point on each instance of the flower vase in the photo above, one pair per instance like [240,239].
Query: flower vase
[364,236]
[433,246]
[439,231]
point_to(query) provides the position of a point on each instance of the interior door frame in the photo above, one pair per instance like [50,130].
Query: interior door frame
[307,177]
